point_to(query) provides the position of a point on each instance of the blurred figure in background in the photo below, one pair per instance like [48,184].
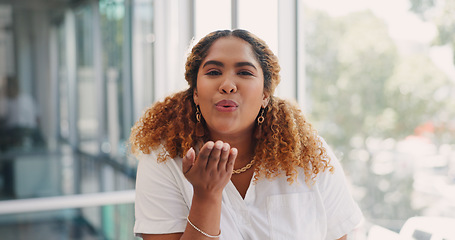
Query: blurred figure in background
[19,119]
[18,130]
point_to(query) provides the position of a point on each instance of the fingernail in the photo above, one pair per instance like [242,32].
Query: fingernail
[225,147]
[219,145]
[189,153]
[234,151]
[210,145]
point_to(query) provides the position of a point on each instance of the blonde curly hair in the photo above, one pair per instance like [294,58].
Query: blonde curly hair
[288,141]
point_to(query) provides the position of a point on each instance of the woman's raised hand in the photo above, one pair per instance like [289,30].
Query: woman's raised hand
[211,170]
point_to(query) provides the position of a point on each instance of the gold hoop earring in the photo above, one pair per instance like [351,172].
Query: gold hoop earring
[260,120]
[199,126]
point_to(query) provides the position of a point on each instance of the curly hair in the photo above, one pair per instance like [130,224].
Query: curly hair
[288,142]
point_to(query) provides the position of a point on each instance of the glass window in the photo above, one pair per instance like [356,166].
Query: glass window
[380,77]
[113,36]
[210,16]
[143,51]
[263,23]
[87,102]
[63,104]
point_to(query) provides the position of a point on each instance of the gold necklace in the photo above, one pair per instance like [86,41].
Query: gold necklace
[241,170]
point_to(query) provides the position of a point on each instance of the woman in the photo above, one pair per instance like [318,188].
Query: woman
[226,159]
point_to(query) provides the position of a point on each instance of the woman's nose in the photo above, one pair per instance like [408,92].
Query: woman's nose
[228,86]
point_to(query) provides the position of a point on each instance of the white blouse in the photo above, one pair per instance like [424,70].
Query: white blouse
[272,209]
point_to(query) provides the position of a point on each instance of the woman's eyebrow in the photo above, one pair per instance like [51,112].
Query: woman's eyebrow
[217,63]
[242,64]
[220,64]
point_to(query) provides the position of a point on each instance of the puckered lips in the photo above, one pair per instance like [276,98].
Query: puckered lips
[226,105]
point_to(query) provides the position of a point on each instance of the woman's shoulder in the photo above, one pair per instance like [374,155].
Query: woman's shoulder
[157,152]
[158,157]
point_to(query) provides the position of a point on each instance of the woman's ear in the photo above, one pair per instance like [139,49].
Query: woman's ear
[265,99]
[195,97]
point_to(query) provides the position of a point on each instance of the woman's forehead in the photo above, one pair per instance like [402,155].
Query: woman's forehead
[231,48]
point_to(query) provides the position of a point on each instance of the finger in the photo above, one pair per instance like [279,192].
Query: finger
[231,160]
[204,154]
[214,157]
[224,157]
[188,160]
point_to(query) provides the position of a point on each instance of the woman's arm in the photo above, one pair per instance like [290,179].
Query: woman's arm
[343,238]
[208,174]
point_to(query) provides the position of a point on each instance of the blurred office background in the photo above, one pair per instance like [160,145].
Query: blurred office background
[376,78]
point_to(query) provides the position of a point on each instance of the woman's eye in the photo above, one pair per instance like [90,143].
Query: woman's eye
[213,73]
[245,73]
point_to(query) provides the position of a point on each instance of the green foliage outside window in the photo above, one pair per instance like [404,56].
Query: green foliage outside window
[366,97]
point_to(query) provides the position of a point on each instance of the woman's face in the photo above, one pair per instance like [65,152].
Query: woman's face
[230,87]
